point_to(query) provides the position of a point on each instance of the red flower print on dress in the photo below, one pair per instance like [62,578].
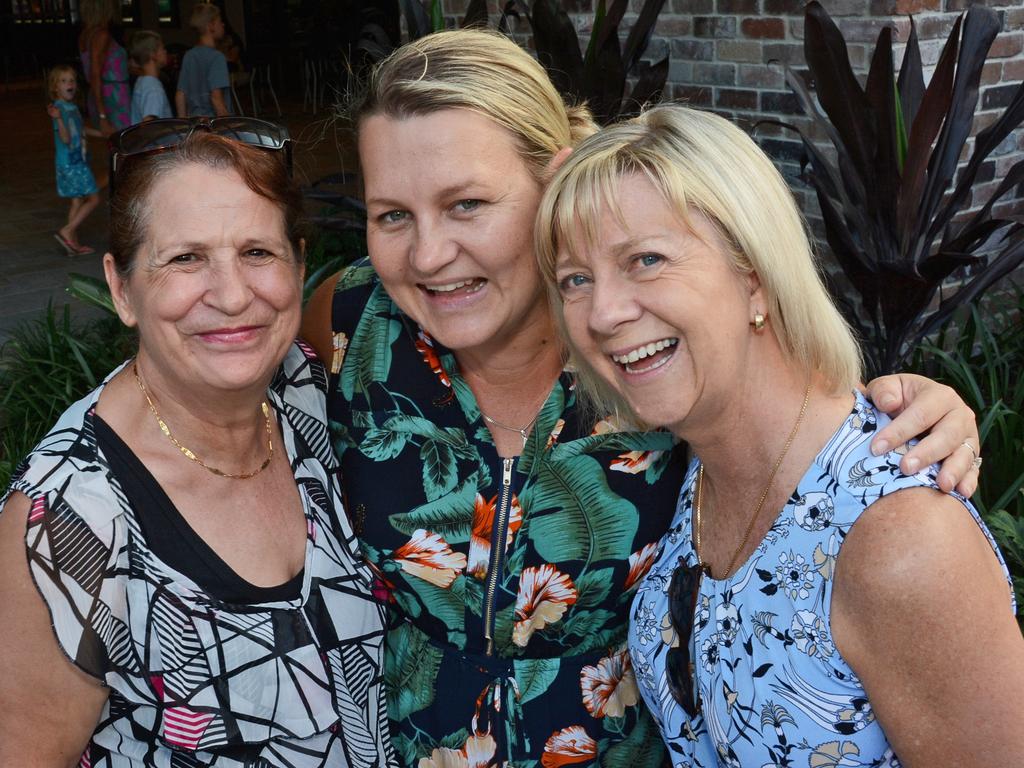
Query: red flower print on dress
[340,344]
[425,346]
[634,462]
[606,425]
[555,432]
[477,752]
[609,687]
[640,563]
[567,747]
[483,527]
[427,556]
[544,595]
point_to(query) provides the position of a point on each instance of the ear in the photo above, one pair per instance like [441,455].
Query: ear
[758,301]
[556,161]
[118,291]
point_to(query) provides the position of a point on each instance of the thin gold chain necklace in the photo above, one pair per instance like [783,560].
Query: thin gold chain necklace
[189,454]
[761,501]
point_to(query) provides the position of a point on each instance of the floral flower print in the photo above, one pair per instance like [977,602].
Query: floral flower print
[555,432]
[727,620]
[794,576]
[646,623]
[568,746]
[814,511]
[544,595]
[835,754]
[483,527]
[640,563]
[609,687]
[702,614]
[425,346]
[606,425]
[811,634]
[340,345]
[429,557]
[634,462]
[709,653]
[475,753]
[824,557]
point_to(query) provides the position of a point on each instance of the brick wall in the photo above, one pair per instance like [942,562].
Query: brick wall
[722,54]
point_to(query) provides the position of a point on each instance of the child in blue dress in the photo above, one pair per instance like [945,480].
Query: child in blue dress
[74,177]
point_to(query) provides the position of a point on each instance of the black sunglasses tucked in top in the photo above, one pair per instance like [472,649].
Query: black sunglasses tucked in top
[158,136]
[683,591]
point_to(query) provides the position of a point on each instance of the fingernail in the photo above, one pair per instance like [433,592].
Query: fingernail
[879,447]
[887,400]
[913,464]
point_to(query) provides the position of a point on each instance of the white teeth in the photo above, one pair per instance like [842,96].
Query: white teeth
[644,351]
[448,287]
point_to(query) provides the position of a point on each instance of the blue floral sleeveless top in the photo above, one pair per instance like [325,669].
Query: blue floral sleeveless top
[775,690]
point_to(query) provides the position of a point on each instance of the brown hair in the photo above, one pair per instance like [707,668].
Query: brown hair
[98,13]
[54,76]
[483,72]
[265,173]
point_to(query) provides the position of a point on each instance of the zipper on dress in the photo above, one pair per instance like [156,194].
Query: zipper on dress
[498,538]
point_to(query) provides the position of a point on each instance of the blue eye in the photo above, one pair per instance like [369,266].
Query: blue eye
[465,206]
[392,217]
[573,281]
[183,258]
[649,259]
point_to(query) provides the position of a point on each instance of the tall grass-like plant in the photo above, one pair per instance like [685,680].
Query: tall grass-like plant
[985,366]
[892,199]
[46,365]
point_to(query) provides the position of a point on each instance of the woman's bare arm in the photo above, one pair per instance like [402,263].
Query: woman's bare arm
[921,612]
[50,707]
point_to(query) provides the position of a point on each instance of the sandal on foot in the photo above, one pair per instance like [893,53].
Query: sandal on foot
[67,245]
[83,250]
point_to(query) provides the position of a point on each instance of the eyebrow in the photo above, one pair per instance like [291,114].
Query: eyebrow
[451,190]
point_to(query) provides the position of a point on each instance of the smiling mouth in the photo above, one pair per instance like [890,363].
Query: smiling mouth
[646,357]
[461,287]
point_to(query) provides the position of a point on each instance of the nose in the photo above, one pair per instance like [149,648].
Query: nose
[613,304]
[228,289]
[432,248]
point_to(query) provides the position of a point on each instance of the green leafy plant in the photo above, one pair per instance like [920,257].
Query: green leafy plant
[46,365]
[984,365]
[894,226]
[599,76]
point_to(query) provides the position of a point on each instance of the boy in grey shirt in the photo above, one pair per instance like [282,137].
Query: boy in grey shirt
[149,100]
[204,84]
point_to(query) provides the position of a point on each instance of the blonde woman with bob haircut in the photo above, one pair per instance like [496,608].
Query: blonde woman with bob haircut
[810,603]
[507,530]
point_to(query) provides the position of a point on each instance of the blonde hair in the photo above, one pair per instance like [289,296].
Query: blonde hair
[701,162]
[202,15]
[143,46]
[483,72]
[53,78]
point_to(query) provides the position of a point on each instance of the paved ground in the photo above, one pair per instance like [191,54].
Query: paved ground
[33,267]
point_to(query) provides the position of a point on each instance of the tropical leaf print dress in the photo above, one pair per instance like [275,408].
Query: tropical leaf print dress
[775,690]
[508,581]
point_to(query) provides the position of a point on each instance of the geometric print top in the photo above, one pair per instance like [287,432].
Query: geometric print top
[193,680]
[775,690]
[540,555]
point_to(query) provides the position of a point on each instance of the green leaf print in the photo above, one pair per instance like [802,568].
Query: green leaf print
[593,587]
[448,605]
[368,358]
[382,444]
[657,468]
[534,676]
[455,740]
[643,748]
[440,472]
[576,516]
[503,621]
[586,623]
[410,668]
[451,515]
[356,274]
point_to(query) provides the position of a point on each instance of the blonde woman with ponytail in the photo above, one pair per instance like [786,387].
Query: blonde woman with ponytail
[508,530]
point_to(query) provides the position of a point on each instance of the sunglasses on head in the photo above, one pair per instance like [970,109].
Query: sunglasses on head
[683,591]
[163,135]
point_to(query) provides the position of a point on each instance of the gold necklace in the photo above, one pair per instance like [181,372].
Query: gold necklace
[761,501]
[187,452]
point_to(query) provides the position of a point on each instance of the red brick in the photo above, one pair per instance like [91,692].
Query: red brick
[739,50]
[903,7]
[714,26]
[737,6]
[1007,46]
[1013,71]
[692,95]
[783,6]
[786,53]
[760,76]
[714,74]
[991,73]
[669,26]
[693,50]
[935,27]
[764,28]
[866,30]
[691,7]
[733,98]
